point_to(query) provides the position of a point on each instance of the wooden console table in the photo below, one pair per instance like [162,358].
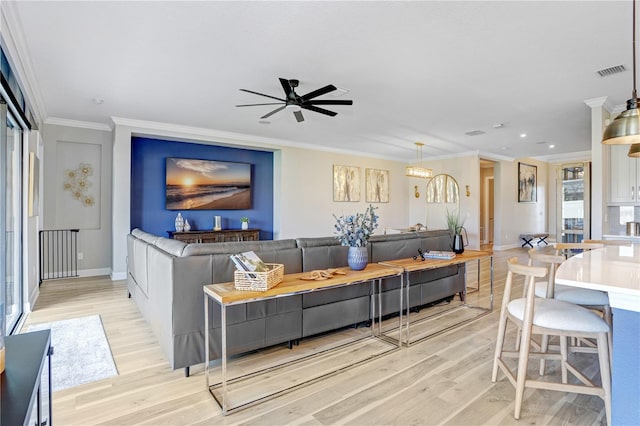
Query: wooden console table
[211,236]
[411,265]
[226,295]
[20,384]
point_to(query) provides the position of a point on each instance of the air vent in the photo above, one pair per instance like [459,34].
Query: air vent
[612,70]
[475,133]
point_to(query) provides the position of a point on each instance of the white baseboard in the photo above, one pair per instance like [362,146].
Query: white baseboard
[117,276]
[94,272]
[505,247]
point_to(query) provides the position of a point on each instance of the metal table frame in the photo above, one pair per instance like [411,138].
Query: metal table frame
[410,265]
[212,293]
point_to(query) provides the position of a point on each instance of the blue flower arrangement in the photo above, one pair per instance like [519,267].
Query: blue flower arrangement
[355,230]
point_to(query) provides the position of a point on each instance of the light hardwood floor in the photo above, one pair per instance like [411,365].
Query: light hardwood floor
[442,380]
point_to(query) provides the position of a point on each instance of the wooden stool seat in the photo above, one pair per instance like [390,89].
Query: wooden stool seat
[579,296]
[556,314]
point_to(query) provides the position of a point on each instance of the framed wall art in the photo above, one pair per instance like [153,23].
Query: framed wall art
[346,183]
[376,186]
[193,184]
[527,183]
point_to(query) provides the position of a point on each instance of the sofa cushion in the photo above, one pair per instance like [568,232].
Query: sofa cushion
[144,236]
[237,247]
[173,247]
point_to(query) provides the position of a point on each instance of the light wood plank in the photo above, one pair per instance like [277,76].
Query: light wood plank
[442,380]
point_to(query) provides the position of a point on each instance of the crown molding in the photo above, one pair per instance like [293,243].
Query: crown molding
[203,135]
[599,102]
[495,157]
[12,36]
[76,123]
[565,157]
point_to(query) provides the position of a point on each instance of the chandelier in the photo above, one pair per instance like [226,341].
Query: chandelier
[419,171]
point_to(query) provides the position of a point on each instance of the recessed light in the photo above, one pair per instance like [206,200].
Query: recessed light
[504,148]
[523,135]
[552,146]
[97,101]
[499,126]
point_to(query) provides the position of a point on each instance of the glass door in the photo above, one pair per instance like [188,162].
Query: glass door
[10,219]
[574,185]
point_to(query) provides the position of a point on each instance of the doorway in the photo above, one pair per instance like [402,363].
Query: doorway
[573,222]
[487,202]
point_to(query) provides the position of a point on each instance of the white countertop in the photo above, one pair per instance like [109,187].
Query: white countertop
[633,238]
[614,269]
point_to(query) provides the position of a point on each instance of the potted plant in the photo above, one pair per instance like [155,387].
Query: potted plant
[456,226]
[354,232]
[244,221]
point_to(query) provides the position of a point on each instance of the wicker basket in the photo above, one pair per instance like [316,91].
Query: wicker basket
[259,281]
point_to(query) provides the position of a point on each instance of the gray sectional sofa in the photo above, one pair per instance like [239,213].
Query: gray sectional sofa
[165,279]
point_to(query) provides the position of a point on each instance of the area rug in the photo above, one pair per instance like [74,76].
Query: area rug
[81,352]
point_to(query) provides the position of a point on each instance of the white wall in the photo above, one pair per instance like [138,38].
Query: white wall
[95,244]
[306,192]
[466,171]
[31,224]
[303,183]
[511,217]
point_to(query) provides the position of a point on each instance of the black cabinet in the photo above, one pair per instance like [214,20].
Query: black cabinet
[26,400]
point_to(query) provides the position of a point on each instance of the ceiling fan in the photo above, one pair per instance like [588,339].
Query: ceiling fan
[295,102]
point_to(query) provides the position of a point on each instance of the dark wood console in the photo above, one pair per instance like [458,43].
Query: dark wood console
[24,399]
[211,236]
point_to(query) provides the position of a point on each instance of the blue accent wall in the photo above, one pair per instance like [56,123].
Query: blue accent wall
[148,164]
[625,405]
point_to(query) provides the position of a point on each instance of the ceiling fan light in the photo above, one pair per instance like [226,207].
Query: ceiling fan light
[293,108]
[625,129]
[418,172]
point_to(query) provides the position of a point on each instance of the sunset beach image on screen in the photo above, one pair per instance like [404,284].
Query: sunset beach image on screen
[207,185]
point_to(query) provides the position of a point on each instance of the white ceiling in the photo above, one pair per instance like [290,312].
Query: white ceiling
[416,71]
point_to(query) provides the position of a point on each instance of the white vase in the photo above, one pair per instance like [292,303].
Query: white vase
[179,223]
[187,226]
[245,225]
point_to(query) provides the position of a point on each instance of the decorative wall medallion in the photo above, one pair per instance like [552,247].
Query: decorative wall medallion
[77,182]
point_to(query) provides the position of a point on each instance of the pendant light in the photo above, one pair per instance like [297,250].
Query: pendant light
[625,129]
[419,171]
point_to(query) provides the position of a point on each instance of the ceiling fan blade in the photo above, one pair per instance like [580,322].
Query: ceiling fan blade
[299,116]
[273,112]
[262,94]
[274,103]
[320,110]
[330,102]
[288,90]
[319,92]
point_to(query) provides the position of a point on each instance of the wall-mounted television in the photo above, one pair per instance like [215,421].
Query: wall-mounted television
[207,185]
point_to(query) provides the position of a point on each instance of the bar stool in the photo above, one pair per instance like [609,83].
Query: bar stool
[592,299]
[551,317]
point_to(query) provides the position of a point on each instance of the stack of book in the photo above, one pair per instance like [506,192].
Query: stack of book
[249,262]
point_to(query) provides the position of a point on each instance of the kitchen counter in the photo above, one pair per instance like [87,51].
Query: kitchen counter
[634,239]
[614,269]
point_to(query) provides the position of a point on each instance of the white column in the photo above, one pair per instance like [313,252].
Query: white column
[599,166]
[121,201]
